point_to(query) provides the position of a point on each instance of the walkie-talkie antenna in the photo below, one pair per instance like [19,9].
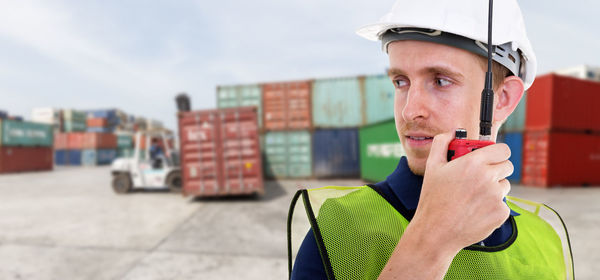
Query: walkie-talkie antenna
[487,95]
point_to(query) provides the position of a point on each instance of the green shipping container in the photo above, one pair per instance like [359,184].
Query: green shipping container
[288,154]
[124,141]
[124,152]
[380,150]
[74,121]
[338,102]
[30,134]
[240,96]
[379,92]
[516,121]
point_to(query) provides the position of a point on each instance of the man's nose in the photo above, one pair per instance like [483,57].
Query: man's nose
[417,104]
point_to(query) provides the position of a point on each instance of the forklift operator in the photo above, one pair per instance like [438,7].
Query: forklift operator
[433,218]
[156,154]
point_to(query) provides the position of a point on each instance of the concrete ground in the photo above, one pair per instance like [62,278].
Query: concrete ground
[68,224]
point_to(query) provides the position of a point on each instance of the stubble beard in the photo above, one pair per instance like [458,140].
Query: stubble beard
[417,158]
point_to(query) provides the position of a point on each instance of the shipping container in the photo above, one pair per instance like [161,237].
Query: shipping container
[379,94]
[61,141]
[73,121]
[287,106]
[3,115]
[21,159]
[99,141]
[338,102]
[581,72]
[100,129]
[514,140]
[112,116]
[288,154]
[516,121]
[67,157]
[98,156]
[125,153]
[220,152]
[380,150]
[47,115]
[97,122]
[563,103]
[30,134]
[335,153]
[241,96]
[561,158]
[125,141]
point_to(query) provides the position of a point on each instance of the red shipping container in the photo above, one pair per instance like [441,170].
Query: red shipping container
[19,159]
[560,158]
[97,122]
[61,141]
[563,103]
[220,152]
[287,106]
[75,140]
[99,141]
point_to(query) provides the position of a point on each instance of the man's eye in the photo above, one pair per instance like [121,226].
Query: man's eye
[400,83]
[442,82]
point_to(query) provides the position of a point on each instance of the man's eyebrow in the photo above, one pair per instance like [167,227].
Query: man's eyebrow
[444,71]
[395,71]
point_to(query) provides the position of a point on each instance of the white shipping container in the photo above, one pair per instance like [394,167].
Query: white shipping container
[47,115]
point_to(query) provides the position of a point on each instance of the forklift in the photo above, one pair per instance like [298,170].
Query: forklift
[145,170]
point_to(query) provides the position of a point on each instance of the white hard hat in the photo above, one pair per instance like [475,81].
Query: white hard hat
[441,21]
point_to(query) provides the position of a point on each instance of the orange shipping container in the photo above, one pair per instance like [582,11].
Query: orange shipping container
[19,159]
[75,140]
[220,152]
[96,122]
[61,141]
[99,141]
[287,106]
[560,158]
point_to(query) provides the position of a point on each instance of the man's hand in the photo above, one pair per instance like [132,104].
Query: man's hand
[460,204]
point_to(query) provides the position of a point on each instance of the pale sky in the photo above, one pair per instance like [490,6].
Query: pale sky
[137,55]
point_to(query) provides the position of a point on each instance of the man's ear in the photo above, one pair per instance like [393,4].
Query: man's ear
[508,95]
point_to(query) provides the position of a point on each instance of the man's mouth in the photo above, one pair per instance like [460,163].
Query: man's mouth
[415,141]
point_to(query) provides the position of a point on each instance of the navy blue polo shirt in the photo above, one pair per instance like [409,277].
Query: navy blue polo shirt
[402,190]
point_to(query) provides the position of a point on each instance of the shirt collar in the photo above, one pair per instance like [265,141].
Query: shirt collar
[407,186]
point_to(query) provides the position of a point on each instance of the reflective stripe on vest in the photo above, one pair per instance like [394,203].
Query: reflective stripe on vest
[357,230]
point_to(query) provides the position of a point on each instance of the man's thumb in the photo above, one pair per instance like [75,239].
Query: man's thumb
[439,148]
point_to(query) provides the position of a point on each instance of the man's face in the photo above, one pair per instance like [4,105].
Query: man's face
[438,89]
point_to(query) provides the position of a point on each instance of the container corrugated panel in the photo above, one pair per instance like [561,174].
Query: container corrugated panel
[74,115]
[561,158]
[97,122]
[60,157]
[74,157]
[112,116]
[220,152]
[98,157]
[61,141]
[241,96]
[379,95]
[288,154]
[380,150]
[21,159]
[563,103]
[74,126]
[514,140]
[30,134]
[287,106]
[335,153]
[338,102]
[75,140]
[99,141]
[516,121]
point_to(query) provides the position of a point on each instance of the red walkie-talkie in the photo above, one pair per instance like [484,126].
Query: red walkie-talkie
[461,145]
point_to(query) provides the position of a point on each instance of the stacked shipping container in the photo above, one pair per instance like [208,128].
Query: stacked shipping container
[25,146]
[562,138]
[220,152]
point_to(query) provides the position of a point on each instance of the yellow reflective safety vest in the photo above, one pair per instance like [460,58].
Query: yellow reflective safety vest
[357,230]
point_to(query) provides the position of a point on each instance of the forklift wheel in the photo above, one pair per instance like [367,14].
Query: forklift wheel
[121,183]
[174,181]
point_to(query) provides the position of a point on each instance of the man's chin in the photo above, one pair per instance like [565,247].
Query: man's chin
[416,166]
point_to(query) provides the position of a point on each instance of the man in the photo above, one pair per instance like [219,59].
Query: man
[432,218]
[156,154]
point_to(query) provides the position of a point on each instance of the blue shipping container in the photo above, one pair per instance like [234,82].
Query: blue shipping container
[98,157]
[67,157]
[101,129]
[336,153]
[515,143]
